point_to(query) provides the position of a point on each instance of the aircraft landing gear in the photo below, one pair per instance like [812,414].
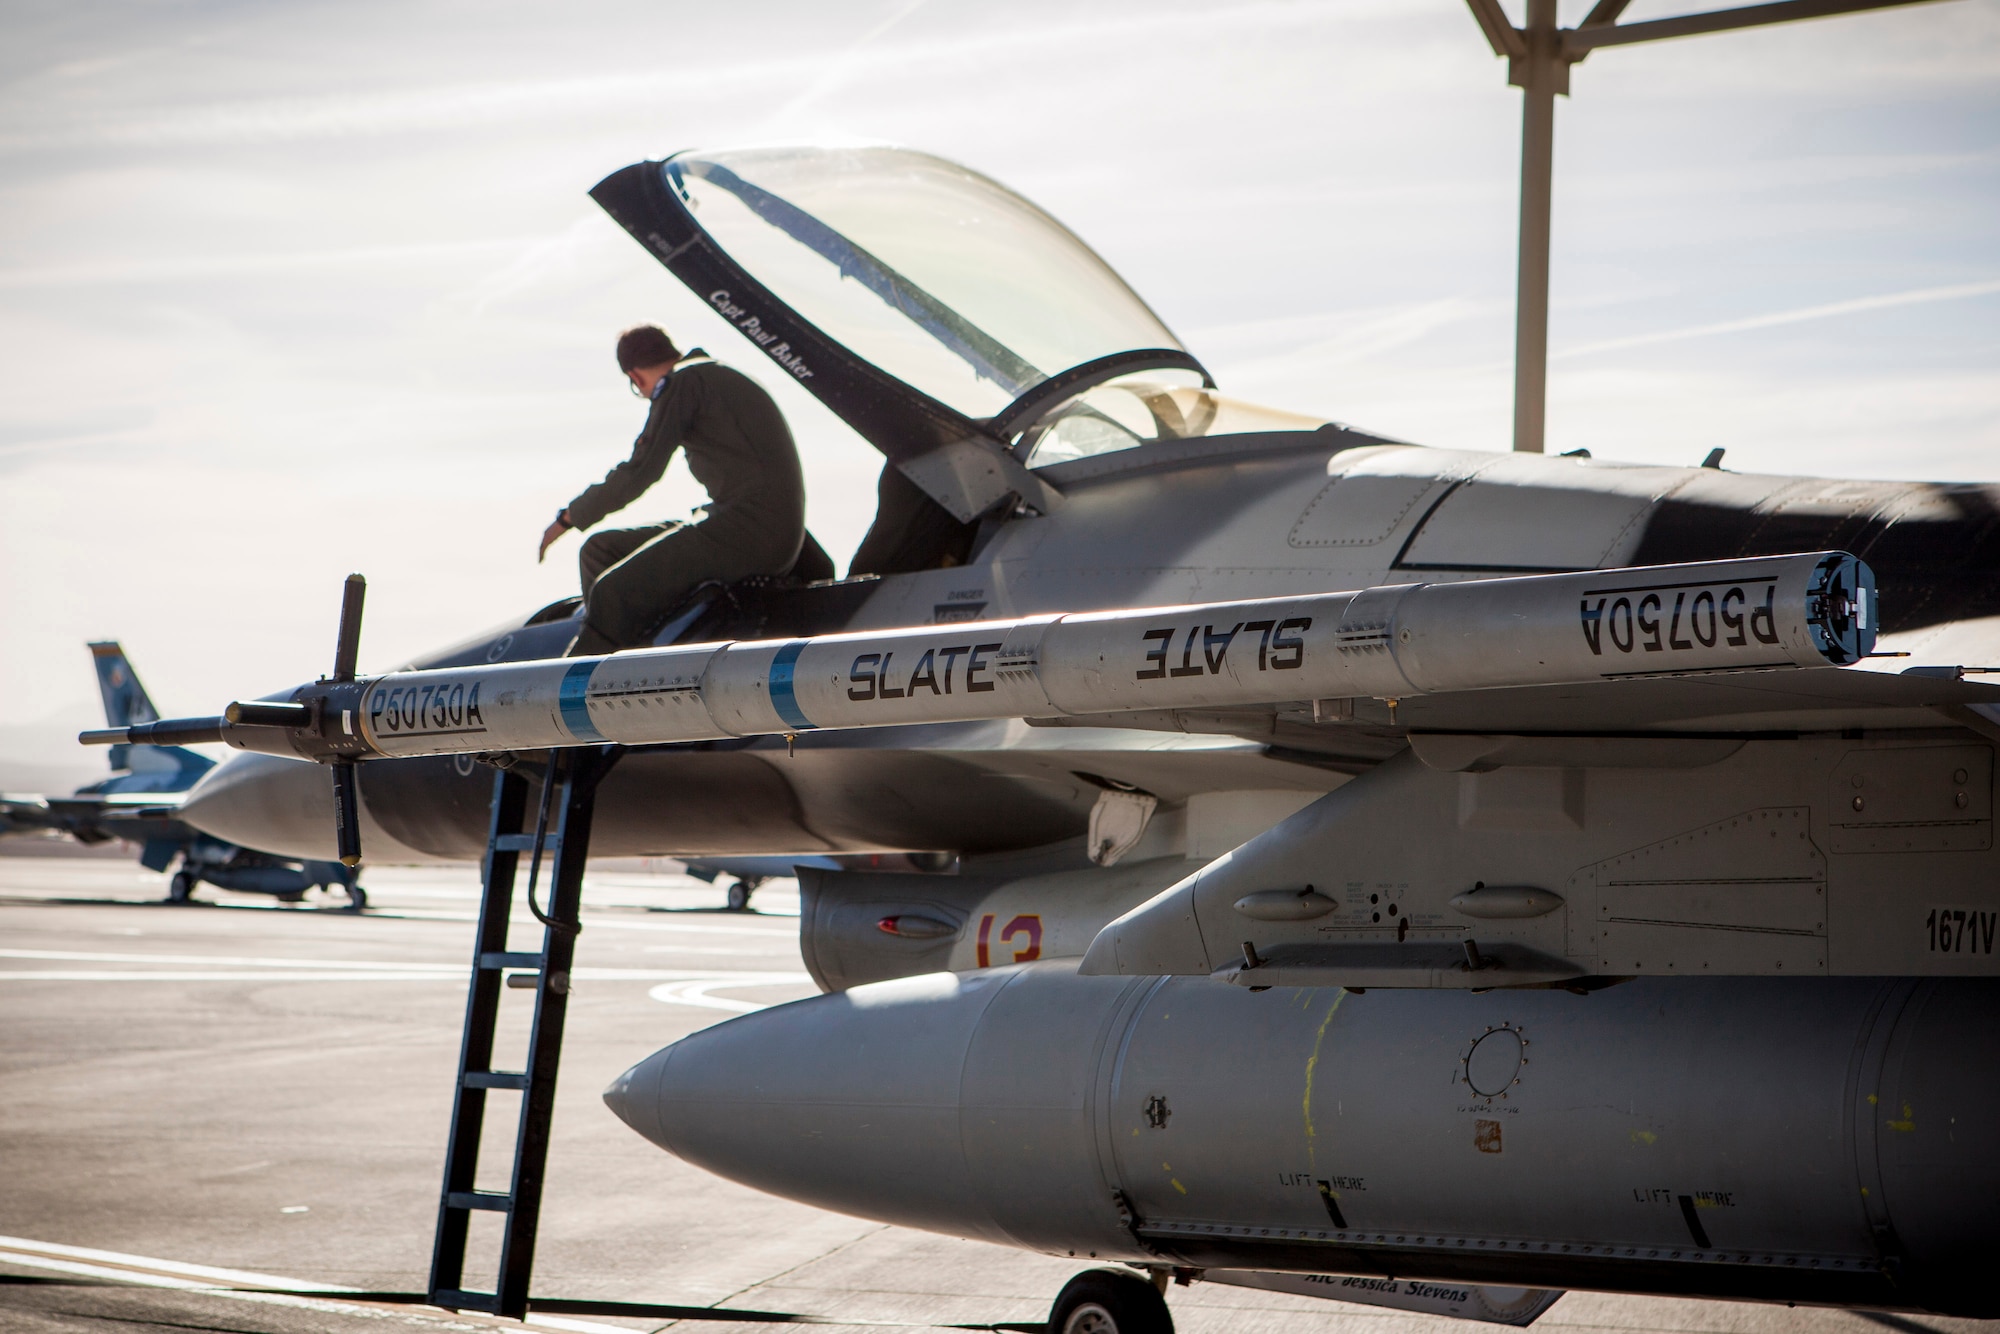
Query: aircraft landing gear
[1109,1301]
[357,898]
[181,888]
[739,894]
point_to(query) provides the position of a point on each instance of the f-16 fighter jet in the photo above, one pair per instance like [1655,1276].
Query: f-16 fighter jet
[140,802]
[1454,869]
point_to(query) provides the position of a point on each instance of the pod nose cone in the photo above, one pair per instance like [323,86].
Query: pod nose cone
[634,1097]
[955,1102]
[848,1101]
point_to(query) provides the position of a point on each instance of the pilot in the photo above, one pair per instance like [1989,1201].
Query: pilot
[738,447]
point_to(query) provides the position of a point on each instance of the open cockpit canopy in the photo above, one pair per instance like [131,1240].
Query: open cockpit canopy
[956,326]
[948,281]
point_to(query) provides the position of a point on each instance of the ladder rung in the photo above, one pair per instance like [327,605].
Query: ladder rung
[495,1079]
[510,961]
[526,842]
[478,1199]
[453,1299]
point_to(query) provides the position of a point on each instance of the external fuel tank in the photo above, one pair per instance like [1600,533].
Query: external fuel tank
[1815,1140]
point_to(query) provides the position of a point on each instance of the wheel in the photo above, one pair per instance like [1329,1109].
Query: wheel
[1109,1301]
[181,888]
[739,896]
[357,898]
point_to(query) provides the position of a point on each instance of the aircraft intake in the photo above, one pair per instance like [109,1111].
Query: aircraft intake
[1804,611]
[1803,1140]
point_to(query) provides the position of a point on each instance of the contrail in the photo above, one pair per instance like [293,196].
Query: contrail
[1918,296]
[842,65]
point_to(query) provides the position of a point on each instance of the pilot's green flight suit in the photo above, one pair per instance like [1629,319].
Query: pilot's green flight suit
[740,449]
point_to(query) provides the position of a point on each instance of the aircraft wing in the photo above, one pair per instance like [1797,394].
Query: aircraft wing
[22,812]
[93,818]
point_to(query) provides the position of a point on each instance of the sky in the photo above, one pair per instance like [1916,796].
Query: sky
[292,290]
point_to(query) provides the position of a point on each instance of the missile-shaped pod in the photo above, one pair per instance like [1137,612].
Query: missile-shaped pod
[1782,612]
[1817,1140]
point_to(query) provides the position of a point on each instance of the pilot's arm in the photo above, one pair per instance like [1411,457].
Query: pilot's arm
[666,425]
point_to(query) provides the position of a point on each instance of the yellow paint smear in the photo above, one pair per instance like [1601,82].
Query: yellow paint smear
[1312,1063]
[1644,1137]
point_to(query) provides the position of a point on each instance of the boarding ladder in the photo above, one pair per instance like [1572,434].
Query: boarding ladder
[559,834]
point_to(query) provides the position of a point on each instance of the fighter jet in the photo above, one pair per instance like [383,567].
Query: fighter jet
[139,803]
[1451,871]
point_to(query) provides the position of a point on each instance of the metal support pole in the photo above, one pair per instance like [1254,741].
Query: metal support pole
[1538,59]
[1541,73]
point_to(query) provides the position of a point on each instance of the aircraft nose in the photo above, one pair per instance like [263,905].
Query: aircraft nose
[284,806]
[266,802]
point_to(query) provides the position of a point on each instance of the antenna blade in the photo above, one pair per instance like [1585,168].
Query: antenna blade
[347,646]
[346,813]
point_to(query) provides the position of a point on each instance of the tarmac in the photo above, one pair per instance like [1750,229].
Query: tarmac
[236,1094]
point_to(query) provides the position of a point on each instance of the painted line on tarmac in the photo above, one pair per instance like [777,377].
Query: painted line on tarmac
[356,975]
[145,1271]
[165,975]
[264,968]
[402,1308]
[782,932]
[234,960]
[696,991]
[376,912]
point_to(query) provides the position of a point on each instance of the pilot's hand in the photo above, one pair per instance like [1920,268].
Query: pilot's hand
[551,533]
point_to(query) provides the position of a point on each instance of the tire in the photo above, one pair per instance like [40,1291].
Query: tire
[357,898]
[181,888]
[1109,1301]
[739,897]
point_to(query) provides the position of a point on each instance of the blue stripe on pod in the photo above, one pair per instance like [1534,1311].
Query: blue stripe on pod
[571,699]
[782,697]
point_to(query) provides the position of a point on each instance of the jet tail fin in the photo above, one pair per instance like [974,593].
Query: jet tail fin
[125,700]
[126,703]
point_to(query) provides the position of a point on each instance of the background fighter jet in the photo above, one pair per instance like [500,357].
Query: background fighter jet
[1444,907]
[140,803]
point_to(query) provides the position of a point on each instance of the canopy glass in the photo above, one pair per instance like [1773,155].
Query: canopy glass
[935,274]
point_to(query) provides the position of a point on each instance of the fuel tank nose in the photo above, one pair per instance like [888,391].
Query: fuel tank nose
[285,807]
[934,1102]
[634,1097]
